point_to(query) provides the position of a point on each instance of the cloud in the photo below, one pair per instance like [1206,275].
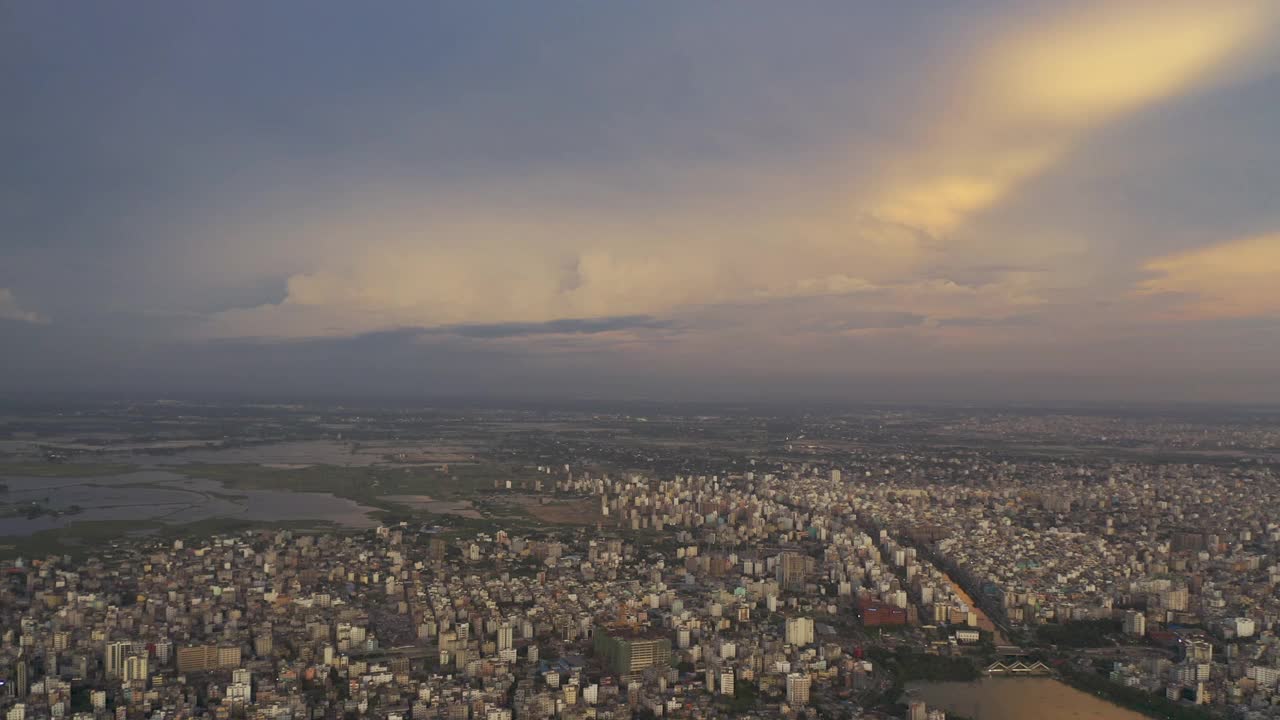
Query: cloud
[1231,279]
[1012,320]
[11,310]
[568,326]
[534,249]
[1038,91]
[448,267]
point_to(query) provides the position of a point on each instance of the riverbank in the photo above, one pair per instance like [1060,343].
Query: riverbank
[996,698]
[1141,701]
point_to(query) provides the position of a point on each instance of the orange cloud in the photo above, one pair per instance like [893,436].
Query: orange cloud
[1013,111]
[1231,279]
[1036,93]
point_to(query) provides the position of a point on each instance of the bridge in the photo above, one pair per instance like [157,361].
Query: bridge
[1018,668]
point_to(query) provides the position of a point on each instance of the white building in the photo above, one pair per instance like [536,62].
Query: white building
[113,658]
[726,682]
[135,668]
[1135,623]
[797,689]
[799,631]
[1265,676]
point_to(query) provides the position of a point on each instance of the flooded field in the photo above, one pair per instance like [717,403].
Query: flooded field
[996,698]
[312,452]
[184,484]
[165,496]
[461,508]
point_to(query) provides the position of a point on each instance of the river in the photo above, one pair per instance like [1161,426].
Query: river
[996,698]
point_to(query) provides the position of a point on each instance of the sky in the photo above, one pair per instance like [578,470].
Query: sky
[987,201]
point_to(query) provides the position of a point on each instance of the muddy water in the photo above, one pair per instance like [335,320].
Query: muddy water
[996,698]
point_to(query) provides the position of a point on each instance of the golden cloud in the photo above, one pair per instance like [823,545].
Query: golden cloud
[1035,93]
[1231,279]
[1010,114]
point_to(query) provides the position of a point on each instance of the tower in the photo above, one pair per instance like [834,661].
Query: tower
[23,679]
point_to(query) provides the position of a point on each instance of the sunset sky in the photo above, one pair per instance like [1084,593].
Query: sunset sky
[965,201]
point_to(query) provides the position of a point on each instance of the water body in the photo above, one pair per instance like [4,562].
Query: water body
[996,698]
[178,452]
[160,491]
[167,496]
[300,453]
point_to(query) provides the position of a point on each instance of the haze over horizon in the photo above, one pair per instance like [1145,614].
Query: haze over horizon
[988,201]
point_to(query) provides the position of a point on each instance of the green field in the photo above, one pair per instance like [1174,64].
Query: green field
[64,470]
[368,485]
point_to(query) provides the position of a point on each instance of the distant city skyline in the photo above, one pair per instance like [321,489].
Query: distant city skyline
[980,202]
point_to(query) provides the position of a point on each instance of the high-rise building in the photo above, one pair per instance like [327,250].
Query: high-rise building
[506,637]
[437,549]
[726,682]
[794,569]
[22,679]
[797,689]
[835,475]
[1135,623]
[917,710]
[1175,599]
[135,669]
[799,631]
[1243,627]
[201,658]
[263,645]
[240,691]
[1199,651]
[114,657]
[628,650]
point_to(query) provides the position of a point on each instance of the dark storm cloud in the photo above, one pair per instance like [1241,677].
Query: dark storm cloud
[568,326]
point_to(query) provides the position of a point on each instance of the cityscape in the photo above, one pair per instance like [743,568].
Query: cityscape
[675,359]
[655,561]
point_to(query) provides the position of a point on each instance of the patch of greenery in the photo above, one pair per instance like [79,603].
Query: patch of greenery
[74,539]
[746,695]
[367,484]
[64,470]
[908,666]
[1079,633]
[1150,704]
